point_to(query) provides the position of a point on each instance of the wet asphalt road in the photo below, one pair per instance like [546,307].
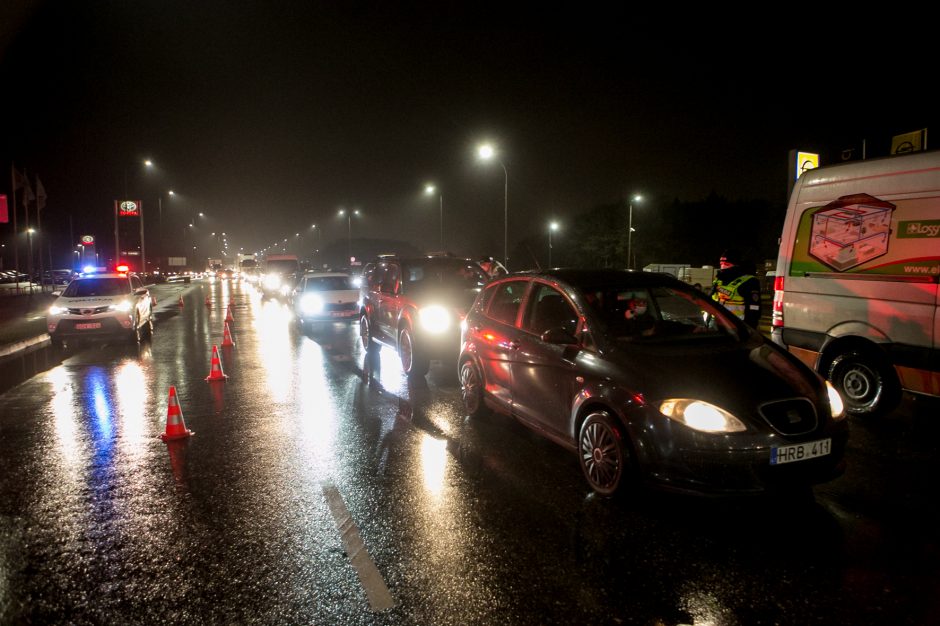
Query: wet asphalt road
[314,493]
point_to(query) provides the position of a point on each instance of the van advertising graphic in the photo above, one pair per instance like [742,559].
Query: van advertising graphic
[862,234]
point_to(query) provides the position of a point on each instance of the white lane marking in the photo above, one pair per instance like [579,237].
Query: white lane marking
[380,599]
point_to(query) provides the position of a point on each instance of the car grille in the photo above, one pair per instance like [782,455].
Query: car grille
[795,416]
[88,311]
[340,306]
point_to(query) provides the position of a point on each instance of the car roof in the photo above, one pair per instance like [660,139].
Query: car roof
[580,276]
[104,275]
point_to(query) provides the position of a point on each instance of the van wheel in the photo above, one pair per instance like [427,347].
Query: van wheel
[867,383]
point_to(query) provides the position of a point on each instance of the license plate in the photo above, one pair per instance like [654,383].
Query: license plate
[87,325]
[800,451]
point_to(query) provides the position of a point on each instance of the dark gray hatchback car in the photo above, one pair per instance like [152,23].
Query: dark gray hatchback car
[649,381]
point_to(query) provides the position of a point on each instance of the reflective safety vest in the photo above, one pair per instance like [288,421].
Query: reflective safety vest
[728,294]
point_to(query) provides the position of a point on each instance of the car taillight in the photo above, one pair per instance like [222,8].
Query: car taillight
[777,319]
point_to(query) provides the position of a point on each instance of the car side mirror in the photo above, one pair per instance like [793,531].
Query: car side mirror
[141,292]
[559,336]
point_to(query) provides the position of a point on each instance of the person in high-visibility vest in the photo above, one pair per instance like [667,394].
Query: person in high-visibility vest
[737,289]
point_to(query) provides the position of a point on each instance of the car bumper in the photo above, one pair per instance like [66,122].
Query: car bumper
[715,464]
[89,328]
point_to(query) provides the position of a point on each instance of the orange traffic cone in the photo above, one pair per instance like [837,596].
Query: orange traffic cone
[216,372]
[228,316]
[227,341]
[175,427]
[209,302]
[181,301]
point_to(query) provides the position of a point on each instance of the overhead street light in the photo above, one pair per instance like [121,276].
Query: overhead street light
[486,152]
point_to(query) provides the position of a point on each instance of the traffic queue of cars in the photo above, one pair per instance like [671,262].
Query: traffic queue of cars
[645,379]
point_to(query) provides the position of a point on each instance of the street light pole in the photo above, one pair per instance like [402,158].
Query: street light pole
[349,214]
[635,198]
[551,227]
[487,152]
[430,189]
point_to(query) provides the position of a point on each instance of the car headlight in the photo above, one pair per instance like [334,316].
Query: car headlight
[434,319]
[272,281]
[836,406]
[123,306]
[57,310]
[702,416]
[311,304]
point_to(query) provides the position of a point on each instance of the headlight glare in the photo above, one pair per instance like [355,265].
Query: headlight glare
[272,281]
[836,406]
[434,319]
[311,303]
[702,416]
[123,306]
[57,310]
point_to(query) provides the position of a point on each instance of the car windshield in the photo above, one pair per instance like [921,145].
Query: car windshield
[452,273]
[92,287]
[329,283]
[657,313]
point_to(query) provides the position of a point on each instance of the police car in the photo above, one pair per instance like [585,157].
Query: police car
[102,306]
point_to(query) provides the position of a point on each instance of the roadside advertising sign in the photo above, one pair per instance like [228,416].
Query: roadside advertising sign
[127,208]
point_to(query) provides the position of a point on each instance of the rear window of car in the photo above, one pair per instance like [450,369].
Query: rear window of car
[506,300]
[92,287]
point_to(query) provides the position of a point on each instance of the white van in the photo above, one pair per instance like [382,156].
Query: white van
[855,293]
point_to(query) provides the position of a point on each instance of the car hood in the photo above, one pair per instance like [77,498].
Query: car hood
[89,301]
[736,376]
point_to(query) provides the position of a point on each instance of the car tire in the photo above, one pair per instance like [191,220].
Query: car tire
[867,383]
[365,334]
[603,453]
[134,337]
[413,362]
[471,389]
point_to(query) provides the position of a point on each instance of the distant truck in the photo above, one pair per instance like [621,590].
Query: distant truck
[279,275]
[665,268]
[699,277]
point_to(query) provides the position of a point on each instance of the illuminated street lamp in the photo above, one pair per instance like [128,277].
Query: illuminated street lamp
[552,226]
[429,190]
[349,215]
[635,198]
[487,152]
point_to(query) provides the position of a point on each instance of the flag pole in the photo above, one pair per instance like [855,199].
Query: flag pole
[16,232]
[42,265]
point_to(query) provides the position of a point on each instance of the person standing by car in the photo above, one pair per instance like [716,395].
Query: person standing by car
[737,289]
[492,267]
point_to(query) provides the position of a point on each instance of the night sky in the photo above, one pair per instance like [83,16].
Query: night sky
[270,116]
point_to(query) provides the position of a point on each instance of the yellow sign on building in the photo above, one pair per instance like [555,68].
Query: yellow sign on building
[806,161]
